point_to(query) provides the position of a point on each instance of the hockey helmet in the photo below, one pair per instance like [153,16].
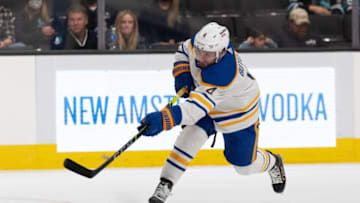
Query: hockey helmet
[212,38]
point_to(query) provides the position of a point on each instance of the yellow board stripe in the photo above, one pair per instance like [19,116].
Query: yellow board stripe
[241,120]
[44,156]
[202,100]
[237,110]
[178,158]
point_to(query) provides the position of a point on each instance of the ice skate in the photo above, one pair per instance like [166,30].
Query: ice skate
[277,174]
[162,191]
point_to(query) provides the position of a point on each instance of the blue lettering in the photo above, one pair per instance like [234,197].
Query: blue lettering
[153,102]
[263,112]
[67,108]
[99,107]
[295,107]
[83,111]
[133,109]
[305,107]
[281,107]
[120,107]
[320,104]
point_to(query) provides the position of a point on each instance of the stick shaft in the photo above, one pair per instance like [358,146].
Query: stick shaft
[79,169]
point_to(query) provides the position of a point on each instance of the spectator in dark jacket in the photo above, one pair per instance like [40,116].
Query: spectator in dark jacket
[161,24]
[78,36]
[297,33]
[33,25]
[91,10]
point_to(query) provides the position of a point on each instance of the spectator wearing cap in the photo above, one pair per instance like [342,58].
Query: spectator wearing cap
[7,27]
[297,33]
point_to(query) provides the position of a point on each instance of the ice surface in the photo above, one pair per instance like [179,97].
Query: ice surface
[220,184]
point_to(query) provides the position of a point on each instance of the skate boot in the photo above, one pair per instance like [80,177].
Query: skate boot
[277,174]
[162,191]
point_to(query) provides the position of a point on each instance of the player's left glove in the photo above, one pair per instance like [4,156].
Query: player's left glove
[166,119]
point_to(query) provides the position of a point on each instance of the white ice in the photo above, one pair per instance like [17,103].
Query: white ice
[221,184]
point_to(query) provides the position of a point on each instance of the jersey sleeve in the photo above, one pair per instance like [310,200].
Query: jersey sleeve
[200,102]
[181,64]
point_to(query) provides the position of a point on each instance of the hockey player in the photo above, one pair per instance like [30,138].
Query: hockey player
[223,95]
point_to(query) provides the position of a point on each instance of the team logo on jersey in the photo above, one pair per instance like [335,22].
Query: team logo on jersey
[211,90]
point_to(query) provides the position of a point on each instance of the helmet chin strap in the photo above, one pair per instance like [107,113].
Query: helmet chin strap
[218,55]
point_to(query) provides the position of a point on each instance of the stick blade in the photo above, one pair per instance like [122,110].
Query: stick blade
[77,168]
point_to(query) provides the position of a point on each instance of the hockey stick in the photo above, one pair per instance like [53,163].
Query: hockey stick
[90,173]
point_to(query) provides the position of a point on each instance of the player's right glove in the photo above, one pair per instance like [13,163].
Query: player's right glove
[182,75]
[166,119]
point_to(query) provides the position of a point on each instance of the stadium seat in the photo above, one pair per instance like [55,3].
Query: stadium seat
[269,24]
[263,7]
[206,7]
[327,25]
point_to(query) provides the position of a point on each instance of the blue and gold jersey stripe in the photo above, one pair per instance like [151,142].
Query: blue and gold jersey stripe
[202,100]
[232,116]
[241,119]
[215,113]
[181,67]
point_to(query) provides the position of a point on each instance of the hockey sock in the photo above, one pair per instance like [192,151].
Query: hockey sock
[187,145]
[264,161]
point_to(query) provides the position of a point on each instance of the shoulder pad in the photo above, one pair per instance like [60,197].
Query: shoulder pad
[221,74]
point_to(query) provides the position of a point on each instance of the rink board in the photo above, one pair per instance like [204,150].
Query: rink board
[45,156]
[28,131]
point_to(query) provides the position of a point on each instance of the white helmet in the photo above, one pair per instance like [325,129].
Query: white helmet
[212,37]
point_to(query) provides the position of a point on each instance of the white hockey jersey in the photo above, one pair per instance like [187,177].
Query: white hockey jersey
[226,91]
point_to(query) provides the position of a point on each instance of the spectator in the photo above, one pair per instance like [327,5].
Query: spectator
[127,32]
[297,33]
[33,25]
[347,5]
[7,27]
[319,7]
[161,24]
[77,35]
[257,39]
[91,10]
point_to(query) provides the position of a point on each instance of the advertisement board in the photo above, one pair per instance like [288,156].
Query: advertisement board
[99,110]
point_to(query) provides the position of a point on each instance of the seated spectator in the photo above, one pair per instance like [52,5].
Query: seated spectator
[33,25]
[91,10]
[127,33]
[297,33]
[318,7]
[7,27]
[257,39]
[161,24]
[77,35]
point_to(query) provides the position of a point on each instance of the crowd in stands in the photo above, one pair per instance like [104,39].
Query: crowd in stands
[73,24]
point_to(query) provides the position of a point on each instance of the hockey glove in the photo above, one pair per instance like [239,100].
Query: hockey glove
[182,75]
[182,80]
[166,119]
